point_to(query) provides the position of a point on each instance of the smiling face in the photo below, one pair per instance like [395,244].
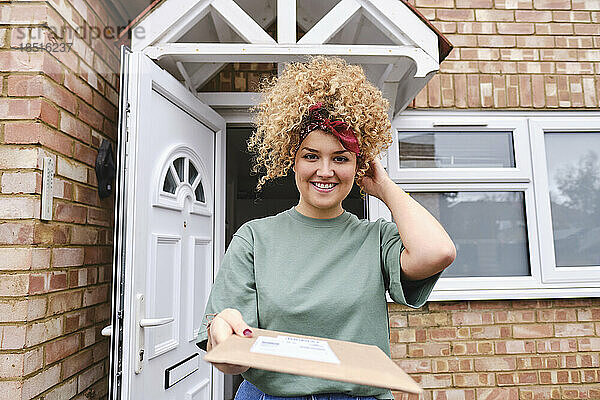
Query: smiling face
[324,172]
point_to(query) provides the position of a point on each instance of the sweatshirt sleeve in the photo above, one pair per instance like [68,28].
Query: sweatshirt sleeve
[403,291]
[234,286]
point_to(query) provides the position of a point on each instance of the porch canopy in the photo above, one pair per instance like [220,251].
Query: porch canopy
[398,48]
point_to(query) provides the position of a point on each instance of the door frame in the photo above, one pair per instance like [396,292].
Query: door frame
[123,306]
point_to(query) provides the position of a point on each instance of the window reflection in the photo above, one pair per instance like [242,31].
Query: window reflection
[487,228]
[574,183]
[456,149]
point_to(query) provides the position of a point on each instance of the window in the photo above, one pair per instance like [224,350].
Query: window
[569,198]
[175,177]
[519,193]
[182,179]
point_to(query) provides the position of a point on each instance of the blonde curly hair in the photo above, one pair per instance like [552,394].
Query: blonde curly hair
[346,93]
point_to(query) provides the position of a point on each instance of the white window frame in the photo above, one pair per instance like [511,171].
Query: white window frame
[539,127]
[546,281]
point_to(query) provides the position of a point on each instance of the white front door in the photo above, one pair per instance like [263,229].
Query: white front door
[170,234]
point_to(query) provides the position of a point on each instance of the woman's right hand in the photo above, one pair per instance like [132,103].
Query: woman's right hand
[226,323]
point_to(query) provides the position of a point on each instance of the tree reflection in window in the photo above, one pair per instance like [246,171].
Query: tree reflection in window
[176,177]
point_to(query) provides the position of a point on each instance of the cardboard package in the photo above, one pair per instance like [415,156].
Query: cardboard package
[313,356]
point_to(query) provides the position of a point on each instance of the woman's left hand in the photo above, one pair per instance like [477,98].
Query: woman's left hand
[376,180]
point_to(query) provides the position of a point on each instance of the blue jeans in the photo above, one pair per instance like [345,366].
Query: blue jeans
[248,391]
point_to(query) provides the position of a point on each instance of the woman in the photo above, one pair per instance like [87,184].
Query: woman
[316,269]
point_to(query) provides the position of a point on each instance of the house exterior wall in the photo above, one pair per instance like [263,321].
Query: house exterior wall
[54,275]
[515,54]
[508,55]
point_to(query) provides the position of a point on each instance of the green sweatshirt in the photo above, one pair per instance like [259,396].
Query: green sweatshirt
[316,277]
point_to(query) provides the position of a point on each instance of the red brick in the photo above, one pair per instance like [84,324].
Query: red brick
[36,133]
[75,128]
[63,302]
[476,27]
[61,348]
[571,16]
[515,28]
[50,233]
[32,108]
[85,154]
[38,85]
[90,116]
[497,394]
[452,365]
[67,257]
[568,330]
[551,5]
[77,363]
[514,4]
[460,83]
[84,194]
[473,379]
[455,15]
[414,366]
[556,345]
[533,16]
[533,331]
[37,283]
[95,295]
[515,346]
[494,15]
[428,349]
[497,40]
[78,86]
[454,394]
[58,280]
[538,91]
[473,91]
[472,318]
[549,28]
[70,213]
[107,109]
[495,364]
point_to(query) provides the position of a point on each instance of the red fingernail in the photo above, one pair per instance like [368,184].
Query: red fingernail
[247,332]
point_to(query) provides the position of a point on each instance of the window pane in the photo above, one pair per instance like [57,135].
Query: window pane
[178,164]
[193,173]
[456,149]
[200,193]
[488,230]
[574,184]
[169,185]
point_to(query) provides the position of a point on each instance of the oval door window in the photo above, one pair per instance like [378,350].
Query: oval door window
[176,176]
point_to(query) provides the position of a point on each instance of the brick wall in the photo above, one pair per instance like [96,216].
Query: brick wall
[501,350]
[515,54]
[54,276]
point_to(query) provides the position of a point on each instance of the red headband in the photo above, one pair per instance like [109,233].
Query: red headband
[318,119]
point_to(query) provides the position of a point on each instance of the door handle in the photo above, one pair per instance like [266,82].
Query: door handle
[106,331]
[140,324]
[149,322]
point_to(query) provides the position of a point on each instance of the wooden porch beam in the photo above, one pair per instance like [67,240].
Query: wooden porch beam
[235,52]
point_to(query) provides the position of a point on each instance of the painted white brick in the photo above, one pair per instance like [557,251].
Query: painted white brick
[66,391]
[12,337]
[43,331]
[11,389]
[15,157]
[11,365]
[19,207]
[13,311]
[41,382]
[73,170]
[33,360]
[19,182]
